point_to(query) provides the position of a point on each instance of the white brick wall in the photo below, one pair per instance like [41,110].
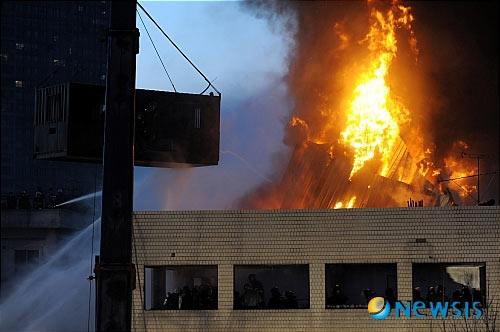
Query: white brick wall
[314,237]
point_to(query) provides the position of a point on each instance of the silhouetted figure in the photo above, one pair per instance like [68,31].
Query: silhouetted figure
[467,296]
[417,296]
[431,295]
[390,297]
[39,189]
[175,299]
[60,197]
[11,201]
[477,296]
[369,294]
[337,297]
[440,294]
[186,299]
[290,300]
[38,201]
[457,296]
[253,296]
[24,201]
[166,299]
[171,301]
[203,300]
[276,300]
[51,199]
[195,294]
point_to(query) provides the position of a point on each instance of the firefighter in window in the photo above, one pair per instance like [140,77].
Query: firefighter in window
[253,296]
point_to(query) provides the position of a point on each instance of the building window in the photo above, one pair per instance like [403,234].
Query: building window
[439,282]
[80,9]
[186,287]
[354,285]
[19,46]
[19,84]
[271,287]
[25,259]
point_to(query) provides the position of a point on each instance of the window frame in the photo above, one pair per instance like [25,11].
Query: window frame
[307,265]
[179,266]
[443,265]
[358,306]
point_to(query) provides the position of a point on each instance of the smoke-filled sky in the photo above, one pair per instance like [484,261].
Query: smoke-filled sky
[273,60]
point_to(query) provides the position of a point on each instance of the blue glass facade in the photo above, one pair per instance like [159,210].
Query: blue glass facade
[46,43]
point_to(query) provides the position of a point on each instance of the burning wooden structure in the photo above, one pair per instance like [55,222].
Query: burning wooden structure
[313,179]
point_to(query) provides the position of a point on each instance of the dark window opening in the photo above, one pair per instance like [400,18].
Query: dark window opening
[440,282]
[354,285]
[181,287]
[271,287]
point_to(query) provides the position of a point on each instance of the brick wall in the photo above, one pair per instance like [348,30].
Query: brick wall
[314,237]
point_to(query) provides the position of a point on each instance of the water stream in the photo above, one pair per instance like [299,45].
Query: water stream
[81,198]
[55,296]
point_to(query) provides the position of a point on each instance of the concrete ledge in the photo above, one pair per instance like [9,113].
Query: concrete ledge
[46,218]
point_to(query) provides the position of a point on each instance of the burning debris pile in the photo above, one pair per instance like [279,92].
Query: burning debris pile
[357,132]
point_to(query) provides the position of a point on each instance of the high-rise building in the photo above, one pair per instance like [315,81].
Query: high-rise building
[45,43]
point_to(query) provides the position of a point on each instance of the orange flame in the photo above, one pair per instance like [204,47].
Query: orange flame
[374,116]
[348,205]
[298,121]
[351,202]
[374,120]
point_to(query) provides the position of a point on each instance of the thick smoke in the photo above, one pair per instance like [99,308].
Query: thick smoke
[251,135]
[450,87]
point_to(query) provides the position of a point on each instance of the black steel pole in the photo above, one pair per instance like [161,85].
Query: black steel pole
[479,157]
[114,279]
